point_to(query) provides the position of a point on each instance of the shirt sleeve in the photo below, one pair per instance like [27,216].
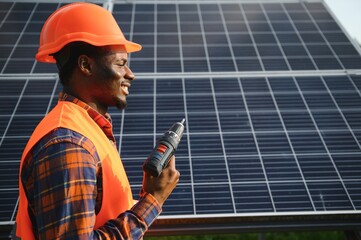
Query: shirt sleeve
[62,193]
[131,224]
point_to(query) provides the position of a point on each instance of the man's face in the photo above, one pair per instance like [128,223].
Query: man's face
[112,78]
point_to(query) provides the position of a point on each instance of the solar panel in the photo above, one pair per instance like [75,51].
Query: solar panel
[268,91]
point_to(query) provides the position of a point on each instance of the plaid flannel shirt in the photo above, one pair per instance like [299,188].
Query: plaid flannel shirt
[65,163]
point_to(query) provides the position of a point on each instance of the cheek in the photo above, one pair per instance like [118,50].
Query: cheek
[118,74]
[116,83]
[113,79]
[107,73]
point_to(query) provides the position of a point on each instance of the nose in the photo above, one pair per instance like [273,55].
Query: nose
[129,75]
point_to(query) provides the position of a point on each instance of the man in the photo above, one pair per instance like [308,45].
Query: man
[72,183]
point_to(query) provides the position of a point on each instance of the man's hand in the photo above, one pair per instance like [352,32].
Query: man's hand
[162,186]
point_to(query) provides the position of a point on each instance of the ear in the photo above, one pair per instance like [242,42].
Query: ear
[85,64]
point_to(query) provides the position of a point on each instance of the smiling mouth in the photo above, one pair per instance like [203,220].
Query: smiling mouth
[125,88]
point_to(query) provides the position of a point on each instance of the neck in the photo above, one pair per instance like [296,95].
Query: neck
[86,99]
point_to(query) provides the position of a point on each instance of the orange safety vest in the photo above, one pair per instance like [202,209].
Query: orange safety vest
[117,195]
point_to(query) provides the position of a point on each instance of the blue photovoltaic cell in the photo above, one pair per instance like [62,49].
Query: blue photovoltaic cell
[273,143]
[266,121]
[290,196]
[329,196]
[11,149]
[8,104]
[203,122]
[23,125]
[7,209]
[141,124]
[209,145]
[208,170]
[213,199]
[307,142]
[354,192]
[230,102]
[281,168]
[182,202]
[297,121]
[258,192]
[245,169]
[239,144]
[236,121]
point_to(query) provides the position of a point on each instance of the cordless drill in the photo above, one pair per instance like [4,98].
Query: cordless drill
[164,149]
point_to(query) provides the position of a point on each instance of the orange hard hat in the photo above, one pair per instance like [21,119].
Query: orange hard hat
[85,22]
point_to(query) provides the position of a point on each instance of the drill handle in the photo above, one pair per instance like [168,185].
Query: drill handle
[158,158]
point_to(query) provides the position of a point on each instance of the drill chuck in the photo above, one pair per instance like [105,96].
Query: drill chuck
[164,149]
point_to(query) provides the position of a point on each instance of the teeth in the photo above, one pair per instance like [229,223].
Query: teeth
[125,89]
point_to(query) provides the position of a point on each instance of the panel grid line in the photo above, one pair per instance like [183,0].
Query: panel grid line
[52,95]
[324,144]
[291,145]
[121,133]
[249,30]
[299,36]
[233,93]
[352,133]
[223,147]
[195,75]
[18,40]
[12,218]
[204,37]
[154,112]
[13,114]
[276,37]
[180,39]
[326,110]
[7,14]
[323,36]
[340,111]
[256,144]
[155,22]
[215,133]
[131,34]
[189,146]
[155,70]
[354,85]
[227,36]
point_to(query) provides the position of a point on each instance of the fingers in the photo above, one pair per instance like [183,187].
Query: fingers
[171,169]
[171,163]
[163,185]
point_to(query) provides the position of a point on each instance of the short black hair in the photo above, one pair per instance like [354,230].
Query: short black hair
[67,58]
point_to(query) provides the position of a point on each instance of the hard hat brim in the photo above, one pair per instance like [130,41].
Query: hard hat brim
[45,52]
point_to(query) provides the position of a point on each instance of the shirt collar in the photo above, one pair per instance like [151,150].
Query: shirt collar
[103,121]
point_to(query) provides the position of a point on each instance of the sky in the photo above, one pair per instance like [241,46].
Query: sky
[348,12]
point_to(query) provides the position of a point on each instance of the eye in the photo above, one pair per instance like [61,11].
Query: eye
[121,64]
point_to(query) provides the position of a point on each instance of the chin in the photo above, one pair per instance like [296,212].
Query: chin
[120,104]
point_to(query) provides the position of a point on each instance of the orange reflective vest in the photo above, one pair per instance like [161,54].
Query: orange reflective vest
[117,195]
